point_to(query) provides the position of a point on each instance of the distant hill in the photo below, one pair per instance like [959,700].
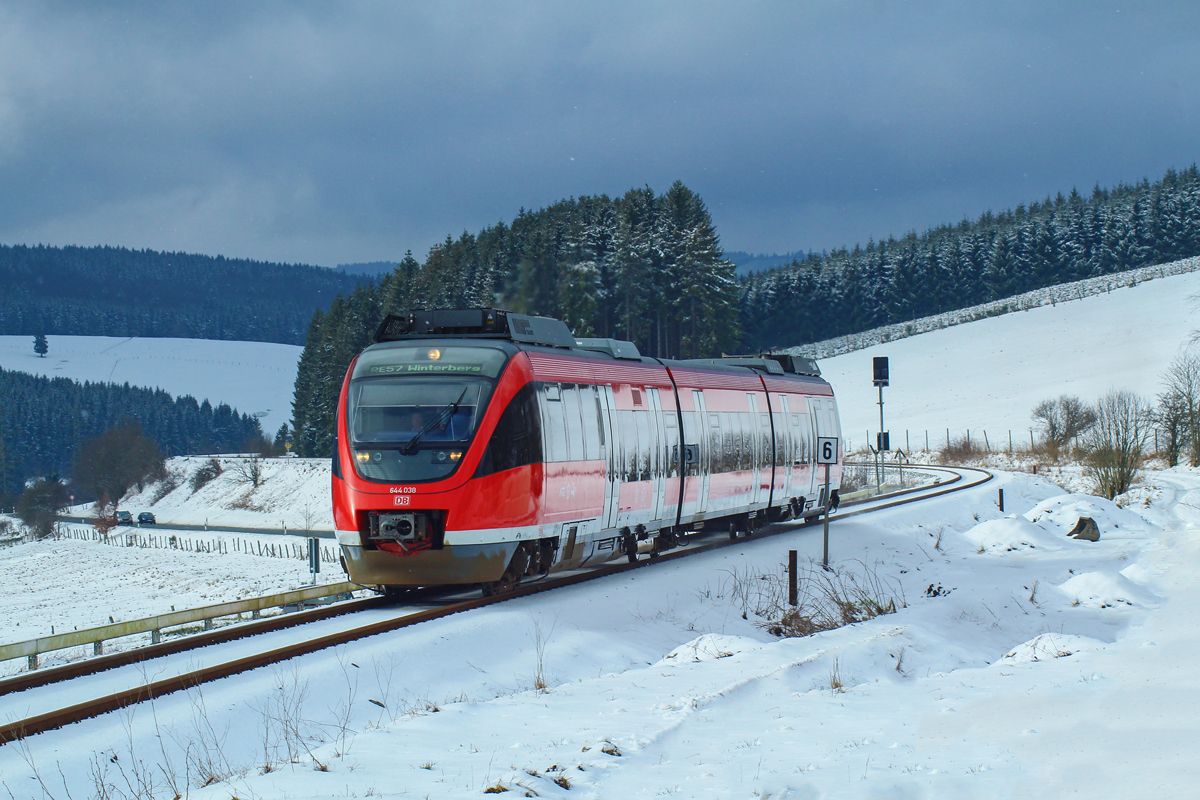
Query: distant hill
[747,263]
[371,268]
[114,291]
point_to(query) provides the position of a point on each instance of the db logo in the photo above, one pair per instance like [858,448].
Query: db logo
[401,499]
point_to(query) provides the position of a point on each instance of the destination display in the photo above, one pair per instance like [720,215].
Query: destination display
[426,368]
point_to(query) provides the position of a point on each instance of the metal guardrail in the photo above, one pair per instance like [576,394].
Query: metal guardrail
[96,637]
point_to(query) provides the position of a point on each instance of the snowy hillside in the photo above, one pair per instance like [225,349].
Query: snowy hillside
[256,378]
[987,376]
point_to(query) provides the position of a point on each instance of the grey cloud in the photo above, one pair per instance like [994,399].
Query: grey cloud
[327,132]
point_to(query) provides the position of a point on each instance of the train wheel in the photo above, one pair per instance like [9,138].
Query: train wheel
[733,529]
[631,548]
[507,583]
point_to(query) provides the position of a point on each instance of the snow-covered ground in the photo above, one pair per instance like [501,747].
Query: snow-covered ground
[1020,663]
[988,375]
[253,377]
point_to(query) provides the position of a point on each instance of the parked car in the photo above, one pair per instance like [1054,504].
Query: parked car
[124,518]
[145,518]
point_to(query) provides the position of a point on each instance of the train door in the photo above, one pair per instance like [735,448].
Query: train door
[706,455]
[752,448]
[613,456]
[669,454]
[657,463]
[782,486]
[814,428]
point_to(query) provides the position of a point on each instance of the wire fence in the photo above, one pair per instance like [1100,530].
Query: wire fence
[221,545]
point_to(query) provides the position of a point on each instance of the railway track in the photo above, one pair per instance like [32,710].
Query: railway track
[959,479]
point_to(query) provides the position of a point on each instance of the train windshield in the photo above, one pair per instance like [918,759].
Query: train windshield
[413,411]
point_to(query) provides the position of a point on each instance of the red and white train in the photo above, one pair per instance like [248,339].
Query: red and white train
[477,446]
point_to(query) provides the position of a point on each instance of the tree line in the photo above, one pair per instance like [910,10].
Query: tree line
[115,291]
[46,422]
[644,267]
[1058,240]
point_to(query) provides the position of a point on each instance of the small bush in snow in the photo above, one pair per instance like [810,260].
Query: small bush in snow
[207,472]
[960,451]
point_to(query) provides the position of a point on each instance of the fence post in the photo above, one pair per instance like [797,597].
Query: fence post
[793,593]
[987,446]
[1001,500]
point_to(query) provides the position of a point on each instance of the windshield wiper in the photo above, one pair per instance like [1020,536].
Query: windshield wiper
[439,421]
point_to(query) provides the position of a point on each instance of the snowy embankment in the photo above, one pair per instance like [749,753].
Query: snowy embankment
[987,377]
[292,493]
[1019,663]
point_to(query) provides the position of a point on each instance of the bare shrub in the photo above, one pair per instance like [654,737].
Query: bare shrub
[1117,441]
[1063,420]
[1178,415]
[960,451]
[206,474]
[827,598]
[39,504]
[248,470]
[167,485]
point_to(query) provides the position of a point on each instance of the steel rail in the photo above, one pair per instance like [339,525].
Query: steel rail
[93,708]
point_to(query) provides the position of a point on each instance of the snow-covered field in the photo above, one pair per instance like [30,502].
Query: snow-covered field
[253,377]
[988,375]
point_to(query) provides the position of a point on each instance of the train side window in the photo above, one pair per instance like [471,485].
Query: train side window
[629,435]
[765,457]
[555,422]
[570,405]
[732,436]
[517,439]
[746,451]
[589,409]
[645,444]
[714,443]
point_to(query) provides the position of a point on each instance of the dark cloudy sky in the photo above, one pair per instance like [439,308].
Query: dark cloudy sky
[353,131]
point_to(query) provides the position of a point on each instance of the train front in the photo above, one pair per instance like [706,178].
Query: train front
[408,440]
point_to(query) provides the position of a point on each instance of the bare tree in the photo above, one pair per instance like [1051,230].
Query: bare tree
[118,459]
[1172,420]
[248,470]
[1117,441]
[38,505]
[1063,419]
[1183,388]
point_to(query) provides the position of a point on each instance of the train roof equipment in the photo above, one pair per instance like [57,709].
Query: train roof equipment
[493,323]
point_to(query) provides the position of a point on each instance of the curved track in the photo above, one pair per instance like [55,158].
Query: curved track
[960,478]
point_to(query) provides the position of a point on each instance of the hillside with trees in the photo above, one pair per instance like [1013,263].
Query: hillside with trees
[1061,239]
[46,422]
[114,291]
[643,267]
[649,268]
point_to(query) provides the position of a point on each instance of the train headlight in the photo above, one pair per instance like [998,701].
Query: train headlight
[362,456]
[441,455]
[434,354]
[455,455]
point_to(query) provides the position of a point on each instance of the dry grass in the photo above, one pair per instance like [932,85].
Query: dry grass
[828,599]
